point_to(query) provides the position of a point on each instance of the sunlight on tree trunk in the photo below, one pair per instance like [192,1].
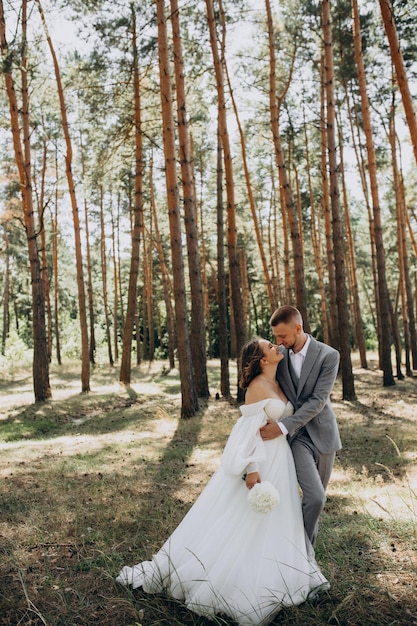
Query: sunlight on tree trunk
[198,330]
[401,75]
[384,304]
[131,312]
[41,384]
[274,103]
[239,325]
[188,391]
[348,383]
[85,356]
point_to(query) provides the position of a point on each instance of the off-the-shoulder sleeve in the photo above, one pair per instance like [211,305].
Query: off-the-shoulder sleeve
[245,444]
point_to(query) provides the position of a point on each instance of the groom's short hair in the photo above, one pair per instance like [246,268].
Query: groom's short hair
[285,314]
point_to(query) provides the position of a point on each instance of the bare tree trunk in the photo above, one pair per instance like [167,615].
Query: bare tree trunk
[115,259]
[44,260]
[401,76]
[90,295]
[129,325]
[333,317]
[239,325]
[404,278]
[384,304]
[316,242]
[85,356]
[189,395]
[222,281]
[6,291]
[103,255]
[55,266]
[198,331]
[166,284]
[357,317]
[361,170]
[204,263]
[42,390]
[299,277]
[348,383]
[268,282]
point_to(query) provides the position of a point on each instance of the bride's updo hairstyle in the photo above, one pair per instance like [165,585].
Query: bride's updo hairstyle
[250,362]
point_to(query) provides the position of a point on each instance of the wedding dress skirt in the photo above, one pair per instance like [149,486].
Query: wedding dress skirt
[225,558]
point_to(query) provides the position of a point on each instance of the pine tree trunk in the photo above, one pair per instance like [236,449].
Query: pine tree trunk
[222,281]
[354,290]
[115,260]
[166,283]
[85,356]
[103,256]
[198,330]
[384,303]
[316,242]
[189,395]
[90,295]
[348,384]
[239,325]
[129,325]
[41,386]
[273,302]
[361,170]
[403,262]
[333,316]
[44,260]
[299,277]
[401,76]
[55,267]
[6,291]
[204,278]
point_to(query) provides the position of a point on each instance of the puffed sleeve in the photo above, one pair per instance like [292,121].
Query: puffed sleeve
[245,444]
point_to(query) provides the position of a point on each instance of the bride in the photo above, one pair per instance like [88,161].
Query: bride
[230,558]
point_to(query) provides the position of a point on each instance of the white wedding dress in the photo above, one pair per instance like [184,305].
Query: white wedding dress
[225,558]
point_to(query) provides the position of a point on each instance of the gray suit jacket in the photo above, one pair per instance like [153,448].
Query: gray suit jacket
[311,397]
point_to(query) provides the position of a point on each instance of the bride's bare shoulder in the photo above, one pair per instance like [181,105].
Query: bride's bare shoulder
[256,391]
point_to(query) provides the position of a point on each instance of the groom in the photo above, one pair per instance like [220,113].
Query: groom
[306,375]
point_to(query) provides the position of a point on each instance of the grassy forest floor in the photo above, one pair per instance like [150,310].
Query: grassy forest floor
[92,482]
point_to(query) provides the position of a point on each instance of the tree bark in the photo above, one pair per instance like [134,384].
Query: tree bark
[384,304]
[41,385]
[198,330]
[400,72]
[165,278]
[188,390]
[103,256]
[6,291]
[85,356]
[130,319]
[273,302]
[348,384]
[239,324]
[222,281]
[55,268]
[353,282]
[333,317]
[299,277]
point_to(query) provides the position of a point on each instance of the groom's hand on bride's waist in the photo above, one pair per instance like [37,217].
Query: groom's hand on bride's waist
[271,430]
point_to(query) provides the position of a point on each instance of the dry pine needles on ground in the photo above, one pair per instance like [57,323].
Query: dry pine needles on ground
[91,482]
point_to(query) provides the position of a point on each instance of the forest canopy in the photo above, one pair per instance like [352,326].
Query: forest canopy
[172,172]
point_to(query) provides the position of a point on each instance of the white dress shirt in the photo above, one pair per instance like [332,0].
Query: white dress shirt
[297,358]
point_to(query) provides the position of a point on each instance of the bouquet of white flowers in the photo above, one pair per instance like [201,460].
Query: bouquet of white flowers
[263,497]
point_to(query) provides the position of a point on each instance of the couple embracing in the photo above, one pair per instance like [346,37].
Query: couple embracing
[227,557]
